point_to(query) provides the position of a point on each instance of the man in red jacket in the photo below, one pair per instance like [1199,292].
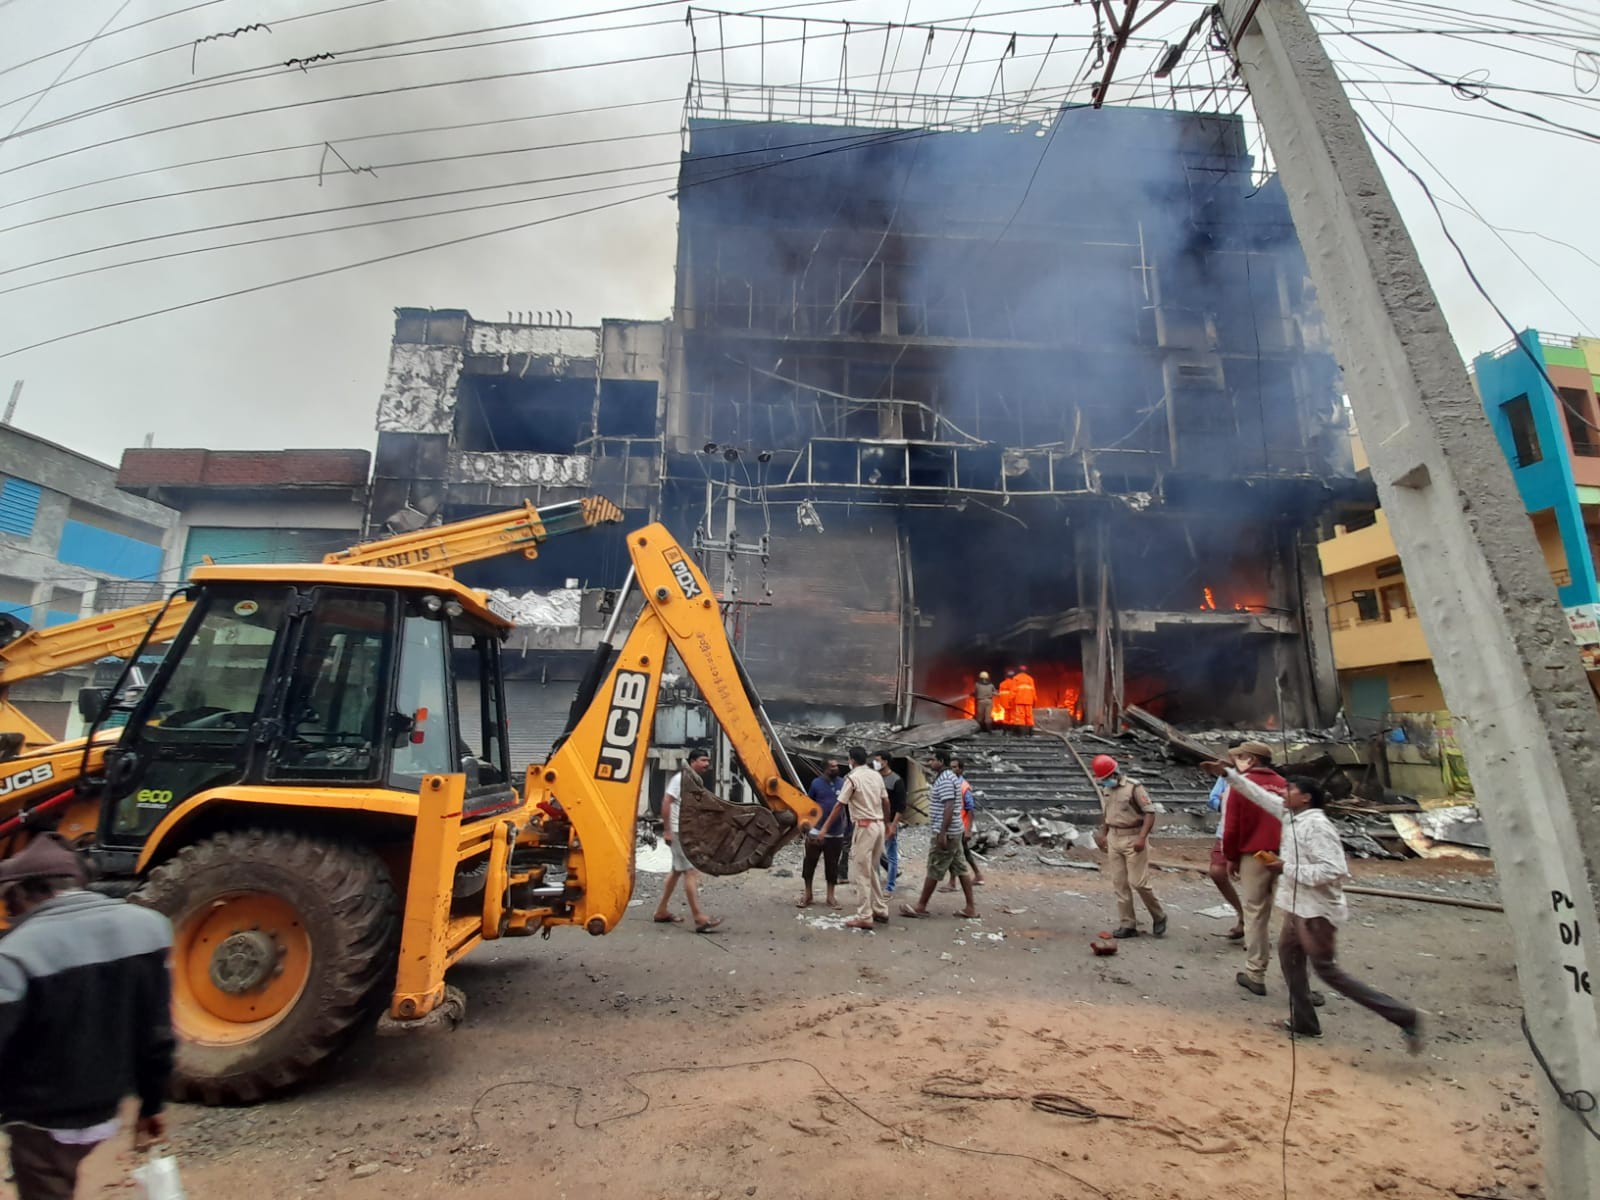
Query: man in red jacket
[1248,830]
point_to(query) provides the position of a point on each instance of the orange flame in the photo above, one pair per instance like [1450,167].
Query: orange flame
[1209,602]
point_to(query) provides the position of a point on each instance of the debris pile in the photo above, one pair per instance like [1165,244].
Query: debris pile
[1037,791]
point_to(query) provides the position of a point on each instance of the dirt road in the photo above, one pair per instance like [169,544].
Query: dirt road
[786,1057]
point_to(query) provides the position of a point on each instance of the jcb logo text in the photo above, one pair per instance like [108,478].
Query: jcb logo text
[43,773]
[623,724]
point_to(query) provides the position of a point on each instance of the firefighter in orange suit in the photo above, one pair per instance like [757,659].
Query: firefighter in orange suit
[1023,695]
[1003,698]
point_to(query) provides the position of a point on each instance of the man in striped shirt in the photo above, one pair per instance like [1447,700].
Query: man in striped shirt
[944,851]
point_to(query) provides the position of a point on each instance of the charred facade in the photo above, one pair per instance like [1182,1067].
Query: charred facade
[1056,395]
[930,403]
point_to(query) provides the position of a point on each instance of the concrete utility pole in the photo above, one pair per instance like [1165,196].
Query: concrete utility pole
[1504,653]
[11,404]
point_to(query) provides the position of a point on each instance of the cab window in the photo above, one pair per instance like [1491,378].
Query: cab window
[427,742]
[335,709]
[214,688]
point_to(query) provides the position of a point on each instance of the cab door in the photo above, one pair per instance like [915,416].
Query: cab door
[267,684]
[196,725]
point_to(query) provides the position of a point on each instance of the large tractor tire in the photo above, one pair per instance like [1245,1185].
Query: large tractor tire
[281,942]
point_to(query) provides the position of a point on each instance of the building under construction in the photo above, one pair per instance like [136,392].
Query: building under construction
[1023,384]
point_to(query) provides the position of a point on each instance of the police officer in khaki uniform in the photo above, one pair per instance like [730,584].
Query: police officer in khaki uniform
[1127,817]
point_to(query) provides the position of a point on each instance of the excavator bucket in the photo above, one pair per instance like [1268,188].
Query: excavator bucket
[723,838]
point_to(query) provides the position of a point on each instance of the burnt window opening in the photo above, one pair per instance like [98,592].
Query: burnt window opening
[1390,569]
[1524,435]
[1366,603]
[627,408]
[1360,521]
[1576,408]
[534,415]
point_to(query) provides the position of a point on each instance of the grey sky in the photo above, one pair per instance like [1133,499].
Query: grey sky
[302,364]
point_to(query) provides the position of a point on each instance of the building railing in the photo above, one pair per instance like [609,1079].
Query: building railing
[1556,341]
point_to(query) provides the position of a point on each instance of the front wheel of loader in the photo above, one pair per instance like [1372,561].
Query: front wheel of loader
[280,941]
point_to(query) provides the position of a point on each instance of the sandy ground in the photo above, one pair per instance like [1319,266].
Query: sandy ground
[784,1057]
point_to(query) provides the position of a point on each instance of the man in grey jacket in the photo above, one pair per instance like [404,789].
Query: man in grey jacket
[85,1017]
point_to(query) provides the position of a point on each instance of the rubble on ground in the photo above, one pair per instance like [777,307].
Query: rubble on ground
[1038,801]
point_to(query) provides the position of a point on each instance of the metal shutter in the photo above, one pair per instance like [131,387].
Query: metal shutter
[832,633]
[536,712]
[19,506]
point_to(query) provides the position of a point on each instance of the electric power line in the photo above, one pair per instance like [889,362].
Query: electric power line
[1472,275]
[43,92]
[842,137]
[890,137]
[330,59]
[28,62]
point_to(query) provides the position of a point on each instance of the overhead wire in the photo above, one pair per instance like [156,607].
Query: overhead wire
[338,58]
[455,82]
[217,227]
[1471,273]
[308,233]
[1468,207]
[177,12]
[44,91]
[328,59]
[279,21]
[319,174]
[344,140]
[895,135]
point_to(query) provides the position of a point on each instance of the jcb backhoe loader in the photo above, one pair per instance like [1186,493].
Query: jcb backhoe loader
[294,790]
[39,777]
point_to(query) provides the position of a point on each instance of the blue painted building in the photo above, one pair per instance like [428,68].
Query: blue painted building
[71,545]
[1540,395]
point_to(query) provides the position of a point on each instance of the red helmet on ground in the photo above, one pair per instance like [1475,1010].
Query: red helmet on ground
[1104,766]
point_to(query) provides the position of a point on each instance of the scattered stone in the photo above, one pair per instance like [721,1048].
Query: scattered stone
[781,872]
[365,1169]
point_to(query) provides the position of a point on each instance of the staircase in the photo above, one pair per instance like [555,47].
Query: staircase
[1039,771]
[1025,772]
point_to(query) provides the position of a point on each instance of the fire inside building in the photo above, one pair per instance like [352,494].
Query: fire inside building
[1053,392]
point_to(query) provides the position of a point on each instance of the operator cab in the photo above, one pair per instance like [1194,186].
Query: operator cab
[326,677]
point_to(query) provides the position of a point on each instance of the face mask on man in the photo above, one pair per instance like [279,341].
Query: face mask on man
[877,764]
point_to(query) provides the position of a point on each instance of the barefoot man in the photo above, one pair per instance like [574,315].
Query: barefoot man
[944,852]
[697,764]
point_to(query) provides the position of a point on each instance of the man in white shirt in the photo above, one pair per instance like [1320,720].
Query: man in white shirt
[699,762]
[1311,871]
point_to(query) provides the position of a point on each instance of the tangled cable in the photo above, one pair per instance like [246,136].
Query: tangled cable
[1579,1100]
[1058,1103]
[1066,1105]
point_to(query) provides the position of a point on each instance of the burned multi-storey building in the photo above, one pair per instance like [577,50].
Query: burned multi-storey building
[1057,396]
[1049,394]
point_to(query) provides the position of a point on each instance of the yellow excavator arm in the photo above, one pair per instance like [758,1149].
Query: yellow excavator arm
[579,809]
[439,550]
[596,775]
[445,547]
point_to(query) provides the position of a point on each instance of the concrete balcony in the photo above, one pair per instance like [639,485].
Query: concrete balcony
[1376,643]
[1359,548]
